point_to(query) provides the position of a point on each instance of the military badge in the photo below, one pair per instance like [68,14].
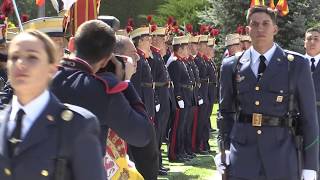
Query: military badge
[279,99]
[67,115]
[290,57]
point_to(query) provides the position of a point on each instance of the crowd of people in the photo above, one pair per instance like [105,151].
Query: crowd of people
[102,106]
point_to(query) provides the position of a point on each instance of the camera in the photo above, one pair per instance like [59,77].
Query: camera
[111,67]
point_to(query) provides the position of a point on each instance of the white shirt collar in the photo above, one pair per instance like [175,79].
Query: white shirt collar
[32,111]
[316,58]
[255,55]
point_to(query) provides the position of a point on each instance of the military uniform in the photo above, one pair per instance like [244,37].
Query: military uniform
[35,157]
[267,149]
[316,81]
[191,119]
[143,83]
[212,97]
[75,83]
[203,93]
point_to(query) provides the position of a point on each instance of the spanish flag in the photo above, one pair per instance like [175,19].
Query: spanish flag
[81,11]
[271,4]
[283,7]
[257,3]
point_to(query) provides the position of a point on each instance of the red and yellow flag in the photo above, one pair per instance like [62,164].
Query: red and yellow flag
[271,4]
[81,11]
[283,7]
[257,3]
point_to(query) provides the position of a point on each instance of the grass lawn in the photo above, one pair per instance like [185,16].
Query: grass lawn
[201,168]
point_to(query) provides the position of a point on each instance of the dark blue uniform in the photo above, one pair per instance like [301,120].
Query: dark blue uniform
[143,83]
[195,107]
[75,83]
[203,93]
[212,98]
[190,121]
[162,84]
[267,150]
[35,156]
[183,90]
[316,81]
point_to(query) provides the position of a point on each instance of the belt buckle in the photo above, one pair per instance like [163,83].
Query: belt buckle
[153,85]
[256,119]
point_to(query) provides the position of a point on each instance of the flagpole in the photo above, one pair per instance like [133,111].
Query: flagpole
[17,14]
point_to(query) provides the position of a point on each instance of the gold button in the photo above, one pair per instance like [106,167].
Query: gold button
[257,103]
[259,131]
[44,173]
[257,88]
[7,171]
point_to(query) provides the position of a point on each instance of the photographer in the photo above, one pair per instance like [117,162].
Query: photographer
[124,65]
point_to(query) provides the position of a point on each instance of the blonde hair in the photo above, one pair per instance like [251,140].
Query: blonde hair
[49,45]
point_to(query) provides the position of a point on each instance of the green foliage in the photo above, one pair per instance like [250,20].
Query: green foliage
[302,15]
[229,14]
[184,11]
[124,9]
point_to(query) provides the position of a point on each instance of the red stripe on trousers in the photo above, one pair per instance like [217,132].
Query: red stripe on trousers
[172,152]
[194,128]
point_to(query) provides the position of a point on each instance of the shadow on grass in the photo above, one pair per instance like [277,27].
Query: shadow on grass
[178,176]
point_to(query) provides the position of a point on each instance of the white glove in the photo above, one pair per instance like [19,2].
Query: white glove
[308,174]
[157,107]
[181,104]
[219,165]
[200,101]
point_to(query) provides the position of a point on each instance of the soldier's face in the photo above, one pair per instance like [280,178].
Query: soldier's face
[233,49]
[261,29]
[29,69]
[145,42]
[312,43]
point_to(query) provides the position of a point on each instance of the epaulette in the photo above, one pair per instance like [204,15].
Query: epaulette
[229,60]
[294,53]
[112,85]
[69,111]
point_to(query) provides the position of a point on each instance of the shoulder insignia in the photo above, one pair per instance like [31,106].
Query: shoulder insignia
[67,115]
[290,57]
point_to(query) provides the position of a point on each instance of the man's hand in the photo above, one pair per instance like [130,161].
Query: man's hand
[157,107]
[130,68]
[200,101]
[119,72]
[218,161]
[308,174]
[181,104]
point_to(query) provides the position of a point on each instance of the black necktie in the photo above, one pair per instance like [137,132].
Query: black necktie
[262,66]
[313,67]
[15,137]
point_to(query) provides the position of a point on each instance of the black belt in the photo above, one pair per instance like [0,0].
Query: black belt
[187,86]
[205,80]
[258,120]
[148,85]
[212,82]
[167,84]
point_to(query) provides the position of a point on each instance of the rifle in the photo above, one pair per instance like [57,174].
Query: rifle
[221,144]
[295,118]
[222,149]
